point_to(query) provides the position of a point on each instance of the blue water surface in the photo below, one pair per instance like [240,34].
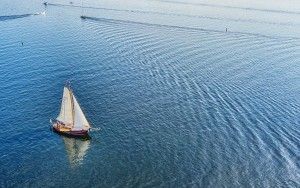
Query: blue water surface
[174,100]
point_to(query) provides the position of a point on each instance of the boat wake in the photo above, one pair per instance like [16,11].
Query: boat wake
[118,21]
[94,129]
[13,17]
[182,15]
[230,7]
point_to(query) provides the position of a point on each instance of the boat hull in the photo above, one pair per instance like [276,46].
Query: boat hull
[71,133]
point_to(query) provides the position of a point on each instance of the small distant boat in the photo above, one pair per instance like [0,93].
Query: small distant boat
[45,3]
[82,16]
[71,120]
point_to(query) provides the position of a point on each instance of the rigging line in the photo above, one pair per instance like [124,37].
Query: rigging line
[63,105]
[72,106]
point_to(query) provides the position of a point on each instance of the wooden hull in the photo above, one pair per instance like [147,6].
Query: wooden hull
[68,132]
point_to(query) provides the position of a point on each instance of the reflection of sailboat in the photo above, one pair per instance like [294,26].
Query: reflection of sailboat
[71,120]
[76,149]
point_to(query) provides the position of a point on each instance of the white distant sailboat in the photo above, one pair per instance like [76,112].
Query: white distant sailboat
[82,16]
[71,119]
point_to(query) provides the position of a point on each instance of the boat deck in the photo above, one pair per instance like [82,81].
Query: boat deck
[61,128]
[64,129]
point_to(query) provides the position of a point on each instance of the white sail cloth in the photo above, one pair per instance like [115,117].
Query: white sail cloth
[66,112]
[80,122]
[70,113]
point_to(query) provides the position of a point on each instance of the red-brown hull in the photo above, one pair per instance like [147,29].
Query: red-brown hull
[81,133]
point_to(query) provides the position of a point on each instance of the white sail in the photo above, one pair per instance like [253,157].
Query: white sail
[80,122]
[66,112]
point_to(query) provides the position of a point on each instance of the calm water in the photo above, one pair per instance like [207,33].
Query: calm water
[174,99]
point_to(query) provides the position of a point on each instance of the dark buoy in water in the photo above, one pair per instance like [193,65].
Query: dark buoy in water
[22,43]
[226,30]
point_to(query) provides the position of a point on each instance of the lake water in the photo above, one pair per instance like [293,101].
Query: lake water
[174,99]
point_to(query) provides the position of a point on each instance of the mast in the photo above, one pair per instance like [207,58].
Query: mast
[72,105]
[81,7]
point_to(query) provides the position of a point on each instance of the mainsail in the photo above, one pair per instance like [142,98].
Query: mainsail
[71,113]
[66,112]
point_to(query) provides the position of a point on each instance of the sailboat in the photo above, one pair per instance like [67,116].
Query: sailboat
[71,119]
[82,16]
